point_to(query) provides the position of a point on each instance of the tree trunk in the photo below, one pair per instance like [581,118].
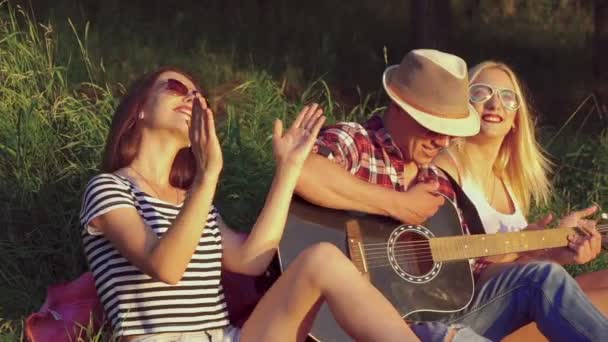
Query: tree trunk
[431,23]
[600,52]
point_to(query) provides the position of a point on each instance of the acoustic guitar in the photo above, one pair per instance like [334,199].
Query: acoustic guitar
[423,270]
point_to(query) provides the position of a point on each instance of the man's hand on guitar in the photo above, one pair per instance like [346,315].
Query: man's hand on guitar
[418,203]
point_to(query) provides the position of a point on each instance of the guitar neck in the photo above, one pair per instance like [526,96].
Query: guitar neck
[474,246]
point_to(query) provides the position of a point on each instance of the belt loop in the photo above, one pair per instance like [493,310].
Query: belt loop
[208,336]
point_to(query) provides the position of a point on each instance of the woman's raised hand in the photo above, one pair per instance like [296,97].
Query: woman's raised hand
[294,145]
[203,139]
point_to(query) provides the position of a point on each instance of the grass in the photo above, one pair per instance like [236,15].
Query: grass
[52,132]
[57,96]
[346,43]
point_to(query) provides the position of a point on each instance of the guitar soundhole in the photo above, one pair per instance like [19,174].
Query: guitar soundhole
[410,256]
[413,254]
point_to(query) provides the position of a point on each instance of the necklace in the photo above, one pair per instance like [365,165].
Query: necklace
[151,186]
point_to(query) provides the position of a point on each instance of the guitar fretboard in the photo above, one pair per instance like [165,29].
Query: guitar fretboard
[475,246]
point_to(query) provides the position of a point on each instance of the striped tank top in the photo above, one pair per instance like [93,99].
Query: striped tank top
[135,303]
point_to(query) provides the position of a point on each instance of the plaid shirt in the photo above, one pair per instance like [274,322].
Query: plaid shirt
[368,152]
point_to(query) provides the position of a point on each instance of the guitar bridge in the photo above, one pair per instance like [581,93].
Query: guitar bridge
[355,247]
[362,256]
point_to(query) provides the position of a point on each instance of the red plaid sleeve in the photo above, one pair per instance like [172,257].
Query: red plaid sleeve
[479,266]
[445,187]
[343,143]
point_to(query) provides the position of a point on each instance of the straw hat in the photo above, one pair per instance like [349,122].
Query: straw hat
[432,87]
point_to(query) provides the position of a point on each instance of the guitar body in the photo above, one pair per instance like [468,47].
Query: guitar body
[395,258]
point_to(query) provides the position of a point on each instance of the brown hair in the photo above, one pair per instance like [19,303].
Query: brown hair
[124,137]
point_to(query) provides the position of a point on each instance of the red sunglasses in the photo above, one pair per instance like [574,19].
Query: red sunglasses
[179,88]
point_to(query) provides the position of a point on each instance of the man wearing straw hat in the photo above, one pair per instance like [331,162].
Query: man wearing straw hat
[377,168]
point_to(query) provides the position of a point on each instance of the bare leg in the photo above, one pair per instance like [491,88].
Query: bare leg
[320,273]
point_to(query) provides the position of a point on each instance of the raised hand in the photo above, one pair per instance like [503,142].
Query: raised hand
[203,139]
[541,223]
[576,218]
[294,145]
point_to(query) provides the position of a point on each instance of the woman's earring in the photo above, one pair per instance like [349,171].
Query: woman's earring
[141,115]
[513,128]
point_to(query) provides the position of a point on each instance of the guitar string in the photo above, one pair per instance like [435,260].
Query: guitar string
[416,256]
[401,258]
[413,251]
[600,229]
[423,255]
[400,263]
[417,250]
[386,263]
[405,261]
[380,264]
[382,245]
[401,247]
[406,258]
[410,254]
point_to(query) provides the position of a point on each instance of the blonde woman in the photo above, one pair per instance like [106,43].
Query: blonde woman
[503,171]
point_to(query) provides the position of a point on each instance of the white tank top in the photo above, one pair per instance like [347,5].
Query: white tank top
[493,221]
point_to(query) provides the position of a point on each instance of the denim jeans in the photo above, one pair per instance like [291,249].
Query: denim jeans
[437,332]
[542,292]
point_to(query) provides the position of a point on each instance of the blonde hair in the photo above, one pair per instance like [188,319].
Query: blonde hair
[521,161]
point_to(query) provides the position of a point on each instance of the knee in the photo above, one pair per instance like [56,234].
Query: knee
[322,257]
[549,273]
[322,253]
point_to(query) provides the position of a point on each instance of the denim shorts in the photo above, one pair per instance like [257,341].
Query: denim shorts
[227,334]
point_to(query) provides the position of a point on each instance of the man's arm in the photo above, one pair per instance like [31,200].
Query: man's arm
[327,184]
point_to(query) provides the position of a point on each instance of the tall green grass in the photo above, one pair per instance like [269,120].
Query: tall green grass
[56,102]
[345,42]
[52,131]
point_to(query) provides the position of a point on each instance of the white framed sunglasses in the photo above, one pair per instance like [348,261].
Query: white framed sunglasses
[481,92]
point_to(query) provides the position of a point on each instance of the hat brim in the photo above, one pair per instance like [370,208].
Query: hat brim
[462,127]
